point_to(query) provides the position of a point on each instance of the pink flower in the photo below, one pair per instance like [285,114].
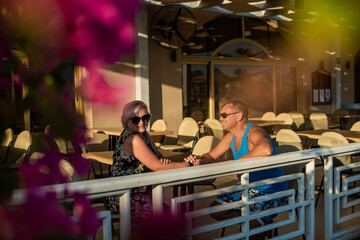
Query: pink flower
[96,89]
[44,171]
[88,222]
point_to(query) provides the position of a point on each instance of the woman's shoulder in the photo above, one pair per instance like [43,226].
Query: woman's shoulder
[133,137]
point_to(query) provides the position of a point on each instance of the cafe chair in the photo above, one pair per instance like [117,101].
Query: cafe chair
[289,137]
[299,121]
[336,117]
[5,144]
[287,124]
[319,120]
[20,150]
[158,125]
[204,145]
[355,127]
[213,127]
[268,116]
[291,169]
[63,146]
[188,134]
[66,169]
[329,139]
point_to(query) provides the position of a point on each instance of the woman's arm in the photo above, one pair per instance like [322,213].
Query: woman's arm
[141,151]
[153,146]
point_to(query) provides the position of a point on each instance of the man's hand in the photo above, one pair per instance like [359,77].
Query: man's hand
[194,159]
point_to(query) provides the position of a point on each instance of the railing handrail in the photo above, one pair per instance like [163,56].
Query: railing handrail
[107,186]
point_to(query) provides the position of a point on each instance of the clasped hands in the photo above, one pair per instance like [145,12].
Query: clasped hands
[193,159]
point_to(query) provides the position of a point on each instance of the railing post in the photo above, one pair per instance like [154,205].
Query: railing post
[125,219]
[106,219]
[310,195]
[157,198]
[328,195]
[245,211]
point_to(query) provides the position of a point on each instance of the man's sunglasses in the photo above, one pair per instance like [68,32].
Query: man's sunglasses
[225,115]
[136,120]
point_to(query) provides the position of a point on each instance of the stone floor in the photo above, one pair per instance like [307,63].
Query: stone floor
[226,181]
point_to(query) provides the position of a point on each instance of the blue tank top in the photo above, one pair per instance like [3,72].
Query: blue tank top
[263,174]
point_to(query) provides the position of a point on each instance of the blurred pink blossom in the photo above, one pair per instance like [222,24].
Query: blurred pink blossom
[96,89]
[41,217]
[88,222]
[44,171]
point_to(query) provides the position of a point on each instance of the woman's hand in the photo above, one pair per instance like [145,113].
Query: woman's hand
[165,161]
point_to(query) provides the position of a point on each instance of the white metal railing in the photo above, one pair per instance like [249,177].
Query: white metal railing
[304,202]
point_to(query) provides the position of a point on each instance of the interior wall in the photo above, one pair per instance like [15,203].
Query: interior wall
[165,87]
[165,84]
[120,74]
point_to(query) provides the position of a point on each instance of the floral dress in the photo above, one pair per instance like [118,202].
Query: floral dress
[123,165]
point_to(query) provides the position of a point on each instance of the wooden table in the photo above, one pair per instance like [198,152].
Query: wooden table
[114,133]
[106,157]
[263,123]
[344,120]
[315,134]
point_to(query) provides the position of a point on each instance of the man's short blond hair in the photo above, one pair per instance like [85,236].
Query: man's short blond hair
[239,105]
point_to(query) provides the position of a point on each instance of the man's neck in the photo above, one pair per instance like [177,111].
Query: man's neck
[240,128]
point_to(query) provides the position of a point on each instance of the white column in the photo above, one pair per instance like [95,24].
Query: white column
[141,57]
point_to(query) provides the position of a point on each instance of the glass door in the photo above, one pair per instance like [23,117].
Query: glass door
[196,91]
[251,83]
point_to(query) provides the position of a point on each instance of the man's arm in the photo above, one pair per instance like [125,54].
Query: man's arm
[259,143]
[214,154]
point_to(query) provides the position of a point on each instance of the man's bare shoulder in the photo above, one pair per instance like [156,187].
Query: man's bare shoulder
[255,129]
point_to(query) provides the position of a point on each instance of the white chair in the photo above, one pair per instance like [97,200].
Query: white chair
[299,120]
[204,145]
[289,137]
[64,146]
[319,120]
[187,135]
[287,124]
[66,169]
[21,148]
[329,139]
[213,127]
[6,144]
[268,116]
[291,169]
[355,127]
[158,125]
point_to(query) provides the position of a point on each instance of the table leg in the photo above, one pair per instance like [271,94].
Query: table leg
[344,122]
[191,191]
[183,192]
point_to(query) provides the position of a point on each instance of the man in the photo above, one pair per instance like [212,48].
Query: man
[246,141]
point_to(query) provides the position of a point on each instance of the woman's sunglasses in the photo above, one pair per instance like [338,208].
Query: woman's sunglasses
[136,120]
[225,115]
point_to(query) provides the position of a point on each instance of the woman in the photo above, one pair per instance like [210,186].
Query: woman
[136,153]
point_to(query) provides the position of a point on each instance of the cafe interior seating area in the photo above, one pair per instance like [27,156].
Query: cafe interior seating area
[65,82]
